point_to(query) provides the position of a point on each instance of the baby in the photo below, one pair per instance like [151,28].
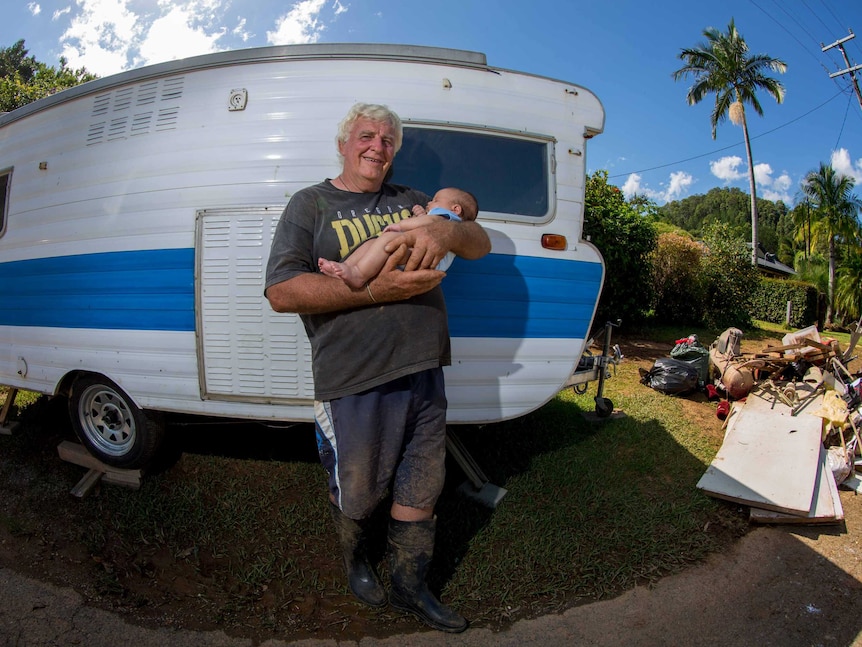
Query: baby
[364,262]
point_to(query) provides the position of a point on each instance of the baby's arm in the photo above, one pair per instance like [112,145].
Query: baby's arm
[412,223]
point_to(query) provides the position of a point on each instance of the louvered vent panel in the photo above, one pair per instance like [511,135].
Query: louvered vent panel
[153,106]
[247,350]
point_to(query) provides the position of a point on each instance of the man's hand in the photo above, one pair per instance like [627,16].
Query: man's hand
[429,244]
[392,284]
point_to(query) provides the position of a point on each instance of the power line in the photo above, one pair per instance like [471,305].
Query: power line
[844,121]
[791,34]
[831,13]
[798,24]
[816,57]
[718,150]
[817,15]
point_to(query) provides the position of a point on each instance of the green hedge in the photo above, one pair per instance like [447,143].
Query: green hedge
[769,302]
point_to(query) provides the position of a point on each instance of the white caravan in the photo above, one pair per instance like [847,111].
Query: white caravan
[138,211]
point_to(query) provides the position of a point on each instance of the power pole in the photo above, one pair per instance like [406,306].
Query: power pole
[851,70]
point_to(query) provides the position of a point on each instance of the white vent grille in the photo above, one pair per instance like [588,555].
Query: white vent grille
[153,106]
[246,351]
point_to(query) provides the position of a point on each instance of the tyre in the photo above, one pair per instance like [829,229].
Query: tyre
[111,426]
[604,407]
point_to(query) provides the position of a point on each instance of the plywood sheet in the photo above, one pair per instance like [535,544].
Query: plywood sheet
[825,504]
[769,459]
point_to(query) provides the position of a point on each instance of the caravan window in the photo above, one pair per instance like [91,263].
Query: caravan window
[5,177]
[509,175]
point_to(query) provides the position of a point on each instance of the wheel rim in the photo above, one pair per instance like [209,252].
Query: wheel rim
[107,420]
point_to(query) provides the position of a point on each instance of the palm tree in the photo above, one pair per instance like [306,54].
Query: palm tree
[721,66]
[848,278]
[835,213]
[801,216]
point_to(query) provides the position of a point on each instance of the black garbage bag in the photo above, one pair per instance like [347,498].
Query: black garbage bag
[692,352]
[671,376]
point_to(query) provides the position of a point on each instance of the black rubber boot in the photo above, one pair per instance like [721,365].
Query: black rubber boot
[411,547]
[361,578]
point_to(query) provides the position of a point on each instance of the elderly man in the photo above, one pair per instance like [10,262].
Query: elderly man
[377,356]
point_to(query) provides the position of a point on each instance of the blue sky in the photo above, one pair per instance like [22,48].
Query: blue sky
[623,50]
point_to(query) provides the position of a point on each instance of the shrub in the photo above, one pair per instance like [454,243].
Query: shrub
[625,240]
[769,302]
[729,279]
[676,279]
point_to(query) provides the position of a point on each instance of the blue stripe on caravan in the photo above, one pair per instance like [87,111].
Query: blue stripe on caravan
[138,290]
[499,296]
[521,297]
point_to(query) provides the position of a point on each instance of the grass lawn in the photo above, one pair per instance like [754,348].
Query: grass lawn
[234,533]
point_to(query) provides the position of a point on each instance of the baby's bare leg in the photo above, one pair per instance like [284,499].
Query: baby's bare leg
[361,266]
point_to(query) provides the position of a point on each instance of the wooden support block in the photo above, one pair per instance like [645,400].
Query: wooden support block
[77,454]
[9,429]
[86,484]
[6,427]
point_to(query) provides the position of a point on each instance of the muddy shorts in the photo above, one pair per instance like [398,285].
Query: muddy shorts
[392,436]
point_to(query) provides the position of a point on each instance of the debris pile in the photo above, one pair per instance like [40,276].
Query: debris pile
[792,422]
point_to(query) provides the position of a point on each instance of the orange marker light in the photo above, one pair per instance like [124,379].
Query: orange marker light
[554,241]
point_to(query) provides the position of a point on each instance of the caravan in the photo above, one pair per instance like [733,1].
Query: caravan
[138,209]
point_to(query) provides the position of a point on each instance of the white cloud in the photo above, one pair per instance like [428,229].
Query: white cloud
[679,182]
[101,36]
[301,24]
[726,169]
[675,187]
[842,164]
[762,174]
[175,35]
[779,189]
[109,36]
[59,13]
[632,185]
[732,169]
[240,31]
[34,8]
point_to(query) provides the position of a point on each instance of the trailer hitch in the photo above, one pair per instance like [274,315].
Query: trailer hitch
[596,368]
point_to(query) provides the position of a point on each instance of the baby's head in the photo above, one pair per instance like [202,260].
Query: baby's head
[460,202]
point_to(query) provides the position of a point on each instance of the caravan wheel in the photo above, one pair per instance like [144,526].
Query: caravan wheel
[111,426]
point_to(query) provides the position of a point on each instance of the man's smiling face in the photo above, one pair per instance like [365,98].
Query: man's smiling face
[368,154]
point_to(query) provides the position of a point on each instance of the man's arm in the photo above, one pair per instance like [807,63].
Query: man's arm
[315,293]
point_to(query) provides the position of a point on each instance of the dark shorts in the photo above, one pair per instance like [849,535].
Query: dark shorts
[392,436]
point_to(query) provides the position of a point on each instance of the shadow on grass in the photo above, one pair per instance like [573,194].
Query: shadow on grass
[592,510]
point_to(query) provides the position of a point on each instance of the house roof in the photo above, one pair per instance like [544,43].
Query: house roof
[770,263]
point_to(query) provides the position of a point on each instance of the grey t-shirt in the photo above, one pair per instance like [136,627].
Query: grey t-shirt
[358,349]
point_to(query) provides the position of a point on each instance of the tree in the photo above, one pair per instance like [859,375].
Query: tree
[23,79]
[625,238]
[722,66]
[730,206]
[848,279]
[14,60]
[834,217]
[729,280]
[678,289]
